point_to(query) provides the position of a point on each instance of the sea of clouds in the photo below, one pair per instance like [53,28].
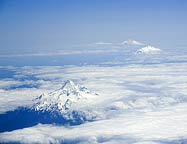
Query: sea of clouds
[137,103]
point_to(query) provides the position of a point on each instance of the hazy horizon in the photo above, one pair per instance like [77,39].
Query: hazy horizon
[52,26]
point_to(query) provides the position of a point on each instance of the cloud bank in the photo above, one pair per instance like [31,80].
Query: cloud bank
[136,103]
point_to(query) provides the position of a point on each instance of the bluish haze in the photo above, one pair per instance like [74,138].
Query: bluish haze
[93,71]
[45,26]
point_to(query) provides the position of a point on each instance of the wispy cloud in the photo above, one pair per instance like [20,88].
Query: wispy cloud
[63,52]
[129,42]
[102,43]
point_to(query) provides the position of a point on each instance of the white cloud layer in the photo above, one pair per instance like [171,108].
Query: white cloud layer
[137,103]
[162,126]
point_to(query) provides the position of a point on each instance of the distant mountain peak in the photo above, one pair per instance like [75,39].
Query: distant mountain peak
[132,42]
[148,50]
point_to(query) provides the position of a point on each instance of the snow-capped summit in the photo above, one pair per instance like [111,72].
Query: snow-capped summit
[69,97]
[132,42]
[148,50]
[69,86]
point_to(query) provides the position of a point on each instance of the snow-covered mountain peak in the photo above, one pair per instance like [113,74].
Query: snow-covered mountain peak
[69,86]
[68,97]
[148,50]
[132,42]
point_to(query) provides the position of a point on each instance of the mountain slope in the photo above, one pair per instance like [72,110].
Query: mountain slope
[69,97]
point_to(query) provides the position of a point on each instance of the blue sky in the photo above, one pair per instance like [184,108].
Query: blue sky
[44,26]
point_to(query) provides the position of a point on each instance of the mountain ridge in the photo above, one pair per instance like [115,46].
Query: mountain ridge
[63,100]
